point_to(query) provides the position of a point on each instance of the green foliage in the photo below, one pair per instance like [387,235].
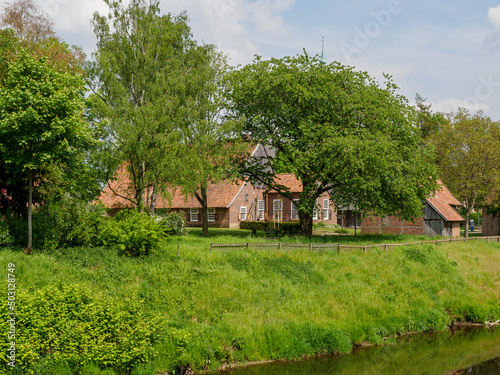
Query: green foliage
[338,130]
[286,228]
[71,328]
[468,157]
[135,233]
[57,224]
[145,78]
[173,223]
[5,237]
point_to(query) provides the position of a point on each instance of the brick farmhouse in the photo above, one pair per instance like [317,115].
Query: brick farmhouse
[440,218]
[229,202]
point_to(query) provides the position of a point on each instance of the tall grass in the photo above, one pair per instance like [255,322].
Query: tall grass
[246,305]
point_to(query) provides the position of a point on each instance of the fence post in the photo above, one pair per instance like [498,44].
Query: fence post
[211,244]
[279,246]
[437,242]
[365,249]
[247,245]
[178,249]
[338,248]
[310,246]
[386,248]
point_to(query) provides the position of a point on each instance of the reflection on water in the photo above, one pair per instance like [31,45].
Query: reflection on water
[464,351]
[491,367]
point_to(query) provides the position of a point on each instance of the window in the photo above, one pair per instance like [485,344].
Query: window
[245,198]
[193,214]
[261,208]
[315,212]
[243,213]
[326,206]
[211,214]
[277,209]
[294,213]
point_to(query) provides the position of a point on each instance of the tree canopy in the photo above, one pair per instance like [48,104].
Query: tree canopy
[41,119]
[145,72]
[468,156]
[338,130]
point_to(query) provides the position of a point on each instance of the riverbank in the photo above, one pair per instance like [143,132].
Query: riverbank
[202,310]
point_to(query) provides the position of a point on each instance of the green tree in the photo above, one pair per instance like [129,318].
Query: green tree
[26,28]
[41,120]
[427,121]
[210,142]
[468,156]
[144,71]
[338,131]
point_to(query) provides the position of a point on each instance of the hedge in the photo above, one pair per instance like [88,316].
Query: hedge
[289,228]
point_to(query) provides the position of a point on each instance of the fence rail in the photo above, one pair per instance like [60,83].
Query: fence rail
[338,247]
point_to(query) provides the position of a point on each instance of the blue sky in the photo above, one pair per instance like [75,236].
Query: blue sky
[447,51]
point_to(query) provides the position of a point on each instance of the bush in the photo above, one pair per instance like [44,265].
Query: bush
[292,228]
[69,327]
[62,223]
[5,237]
[172,222]
[136,234]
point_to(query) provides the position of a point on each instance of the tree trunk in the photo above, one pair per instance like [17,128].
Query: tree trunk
[202,198]
[152,206]
[306,224]
[30,210]
[467,215]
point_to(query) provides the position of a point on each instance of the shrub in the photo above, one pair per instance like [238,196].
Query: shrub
[70,327]
[65,222]
[291,228]
[172,222]
[5,237]
[136,234]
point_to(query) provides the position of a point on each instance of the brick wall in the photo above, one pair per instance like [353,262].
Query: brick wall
[491,225]
[246,198]
[391,225]
[287,208]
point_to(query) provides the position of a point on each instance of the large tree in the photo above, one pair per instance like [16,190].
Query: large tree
[339,131]
[468,156]
[143,75]
[41,120]
[210,143]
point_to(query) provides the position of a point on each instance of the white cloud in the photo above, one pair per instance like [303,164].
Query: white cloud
[492,41]
[237,27]
[452,105]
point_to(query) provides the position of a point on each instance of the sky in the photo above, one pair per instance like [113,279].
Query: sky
[448,51]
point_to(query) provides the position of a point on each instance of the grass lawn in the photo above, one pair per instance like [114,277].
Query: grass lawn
[206,308]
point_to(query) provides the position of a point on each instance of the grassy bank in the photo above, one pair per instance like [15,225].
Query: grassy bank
[203,309]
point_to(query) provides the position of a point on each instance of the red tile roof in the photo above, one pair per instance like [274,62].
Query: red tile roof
[219,195]
[290,181]
[443,202]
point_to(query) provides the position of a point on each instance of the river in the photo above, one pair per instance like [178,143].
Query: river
[464,350]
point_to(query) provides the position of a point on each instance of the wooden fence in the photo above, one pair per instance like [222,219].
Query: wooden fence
[338,247]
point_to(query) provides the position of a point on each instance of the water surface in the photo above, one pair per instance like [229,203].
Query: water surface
[460,351]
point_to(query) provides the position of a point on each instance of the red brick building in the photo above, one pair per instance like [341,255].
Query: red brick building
[229,203]
[279,208]
[490,225]
[440,218]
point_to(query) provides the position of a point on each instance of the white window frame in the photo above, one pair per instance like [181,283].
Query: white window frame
[261,208]
[316,211]
[294,215]
[193,214]
[211,215]
[326,207]
[243,213]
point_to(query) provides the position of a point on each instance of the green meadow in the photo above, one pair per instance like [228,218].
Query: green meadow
[92,311]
